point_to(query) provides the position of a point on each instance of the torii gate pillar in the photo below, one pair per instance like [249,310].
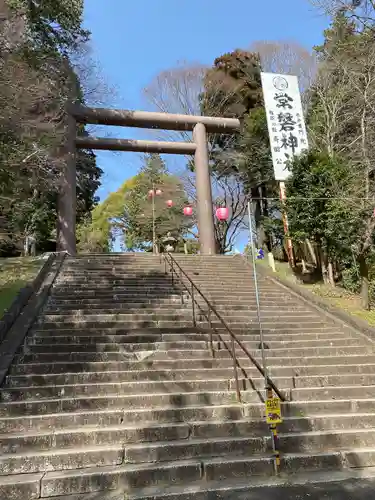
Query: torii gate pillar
[206,227]
[67,197]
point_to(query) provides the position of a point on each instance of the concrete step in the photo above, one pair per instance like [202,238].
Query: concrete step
[134,400]
[103,305]
[154,294]
[347,484]
[342,392]
[277,324]
[121,343]
[35,407]
[243,317]
[116,454]
[104,278]
[115,316]
[191,354]
[193,333]
[129,477]
[78,288]
[298,416]
[175,364]
[184,308]
[51,422]
[197,448]
[130,332]
[109,389]
[128,299]
[89,436]
[61,459]
[134,272]
[41,336]
[157,265]
[361,442]
[111,300]
[125,477]
[206,447]
[115,384]
[114,298]
[102,344]
[343,372]
[313,433]
[314,383]
[79,403]
[219,290]
[118,322]
[114,307]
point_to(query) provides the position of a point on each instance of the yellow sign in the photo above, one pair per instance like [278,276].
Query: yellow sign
[273,411]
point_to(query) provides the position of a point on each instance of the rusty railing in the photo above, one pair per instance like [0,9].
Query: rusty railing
[194,291]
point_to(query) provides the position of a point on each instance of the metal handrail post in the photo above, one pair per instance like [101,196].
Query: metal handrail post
[264,362]
[268,387]
[182,291]
[211,331]
[234,357]
[193,304]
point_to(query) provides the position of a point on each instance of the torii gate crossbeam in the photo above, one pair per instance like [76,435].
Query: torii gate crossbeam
[199,125]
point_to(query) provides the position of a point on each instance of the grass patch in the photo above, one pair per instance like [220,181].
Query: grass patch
[336,296]
[15,273]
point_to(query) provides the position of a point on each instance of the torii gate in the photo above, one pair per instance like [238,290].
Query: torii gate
[200,125]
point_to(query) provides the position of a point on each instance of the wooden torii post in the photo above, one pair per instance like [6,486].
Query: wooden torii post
[199,125]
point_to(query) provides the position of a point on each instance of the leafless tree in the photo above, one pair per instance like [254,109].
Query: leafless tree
[362,12]
[287,57]
[177,90]
[346,90]
[342,124]
[330,119]
[226,192]
[96,90]
[180,89]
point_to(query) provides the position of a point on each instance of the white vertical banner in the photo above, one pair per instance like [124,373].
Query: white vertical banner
[286,124]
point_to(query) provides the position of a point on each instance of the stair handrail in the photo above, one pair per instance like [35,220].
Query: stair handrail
[172,262]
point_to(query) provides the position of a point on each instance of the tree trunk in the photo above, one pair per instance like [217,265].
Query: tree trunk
[363,271]
[324,272]
[331,276]
[312,252]
[323,263]
[304,267]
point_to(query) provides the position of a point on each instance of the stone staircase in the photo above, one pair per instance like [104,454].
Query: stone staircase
[115,393]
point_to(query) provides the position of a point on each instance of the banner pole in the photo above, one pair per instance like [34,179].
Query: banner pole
[289,244]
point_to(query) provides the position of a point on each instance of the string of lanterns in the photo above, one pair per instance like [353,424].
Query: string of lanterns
[222,213]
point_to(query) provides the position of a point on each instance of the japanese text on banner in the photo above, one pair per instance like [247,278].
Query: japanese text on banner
[286,125]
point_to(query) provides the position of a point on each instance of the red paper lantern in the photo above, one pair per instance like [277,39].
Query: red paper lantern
[188,211]
[152,192]
[222,213]
[169,203]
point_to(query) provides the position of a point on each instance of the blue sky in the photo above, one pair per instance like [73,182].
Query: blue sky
[134,40]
